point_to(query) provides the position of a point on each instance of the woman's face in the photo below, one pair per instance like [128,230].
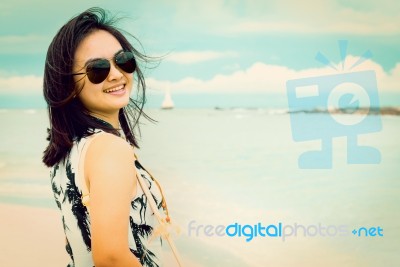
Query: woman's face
[108,97]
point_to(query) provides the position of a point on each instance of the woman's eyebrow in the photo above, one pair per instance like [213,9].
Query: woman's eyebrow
[119,51]
[90,61]
[94,59]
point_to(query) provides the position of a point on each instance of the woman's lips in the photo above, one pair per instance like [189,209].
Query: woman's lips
[118,90]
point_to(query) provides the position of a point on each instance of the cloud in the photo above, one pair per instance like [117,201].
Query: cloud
[342,26]
[265,78]
[24,44]
[258,78]
[190,57]
[19,85]
[367,17]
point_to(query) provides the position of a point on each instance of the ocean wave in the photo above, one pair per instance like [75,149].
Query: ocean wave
[352,111]
[394,111]
[30,111]
[240,116]
[24,189]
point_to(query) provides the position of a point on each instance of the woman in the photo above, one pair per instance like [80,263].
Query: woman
[88,78]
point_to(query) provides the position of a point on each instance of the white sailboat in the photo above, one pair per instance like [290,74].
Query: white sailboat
[167,103]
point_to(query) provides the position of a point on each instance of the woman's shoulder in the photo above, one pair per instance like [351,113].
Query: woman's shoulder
[102,142]
[109,156]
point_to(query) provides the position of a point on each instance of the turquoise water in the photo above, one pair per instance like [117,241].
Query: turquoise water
[240,165]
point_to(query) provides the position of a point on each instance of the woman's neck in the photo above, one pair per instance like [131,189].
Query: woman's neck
[112,120]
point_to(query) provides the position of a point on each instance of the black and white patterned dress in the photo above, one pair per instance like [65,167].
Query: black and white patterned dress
[76,220]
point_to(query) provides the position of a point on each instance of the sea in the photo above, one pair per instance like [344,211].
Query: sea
[229,167]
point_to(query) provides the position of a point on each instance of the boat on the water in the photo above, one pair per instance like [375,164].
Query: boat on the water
[167,102]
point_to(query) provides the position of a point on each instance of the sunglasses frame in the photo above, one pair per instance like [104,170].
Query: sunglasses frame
[99,77]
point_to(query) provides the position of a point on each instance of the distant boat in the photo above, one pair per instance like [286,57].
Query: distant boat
[167,103]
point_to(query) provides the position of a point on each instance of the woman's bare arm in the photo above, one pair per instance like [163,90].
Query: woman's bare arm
[112,180]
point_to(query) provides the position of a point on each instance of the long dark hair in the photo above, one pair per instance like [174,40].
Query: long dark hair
[69,119]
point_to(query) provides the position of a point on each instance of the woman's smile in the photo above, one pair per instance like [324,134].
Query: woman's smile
[116,90]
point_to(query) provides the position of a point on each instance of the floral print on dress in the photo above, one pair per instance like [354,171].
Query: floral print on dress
[76,219]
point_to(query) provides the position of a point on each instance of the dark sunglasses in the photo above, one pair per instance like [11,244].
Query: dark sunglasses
[98,69]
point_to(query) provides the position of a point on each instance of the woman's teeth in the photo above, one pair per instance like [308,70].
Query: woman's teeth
[114,89]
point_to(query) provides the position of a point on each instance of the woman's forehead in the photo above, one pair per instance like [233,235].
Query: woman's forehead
[99,44]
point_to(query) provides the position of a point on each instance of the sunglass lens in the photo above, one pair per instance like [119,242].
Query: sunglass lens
[126,61]
[98,70]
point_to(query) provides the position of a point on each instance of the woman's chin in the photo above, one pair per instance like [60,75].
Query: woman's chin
[121,102]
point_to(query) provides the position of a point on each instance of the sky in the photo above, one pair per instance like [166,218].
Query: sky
[215,46]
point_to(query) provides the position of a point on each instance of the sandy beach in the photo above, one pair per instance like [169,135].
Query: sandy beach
[31,236]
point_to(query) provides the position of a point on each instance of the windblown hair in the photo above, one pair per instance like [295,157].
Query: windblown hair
[69,119]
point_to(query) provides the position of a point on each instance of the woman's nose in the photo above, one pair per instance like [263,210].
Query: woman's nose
[115,72]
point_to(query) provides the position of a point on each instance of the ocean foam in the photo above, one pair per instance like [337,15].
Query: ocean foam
[30,111]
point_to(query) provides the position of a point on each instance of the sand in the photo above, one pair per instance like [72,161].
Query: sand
[31,236]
